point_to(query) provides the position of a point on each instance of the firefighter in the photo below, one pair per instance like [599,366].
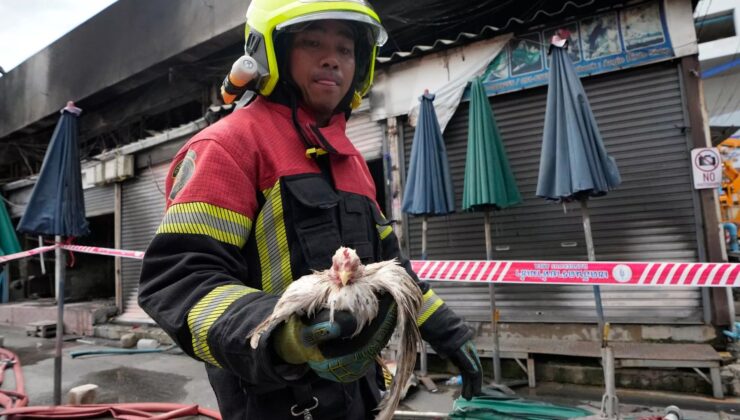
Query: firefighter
[265,196]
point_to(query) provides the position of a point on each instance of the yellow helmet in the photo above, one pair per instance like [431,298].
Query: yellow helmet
[267,18]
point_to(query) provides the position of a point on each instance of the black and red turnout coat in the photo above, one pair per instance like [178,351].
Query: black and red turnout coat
[248,212]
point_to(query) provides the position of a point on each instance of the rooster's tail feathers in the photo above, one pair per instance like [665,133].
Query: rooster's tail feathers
[407,360]
[256,334]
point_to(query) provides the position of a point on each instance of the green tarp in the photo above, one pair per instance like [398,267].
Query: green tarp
[506,407]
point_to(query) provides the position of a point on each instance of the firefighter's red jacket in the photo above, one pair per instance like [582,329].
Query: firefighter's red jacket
[247,213]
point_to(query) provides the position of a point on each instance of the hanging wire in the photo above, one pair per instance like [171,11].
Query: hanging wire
[10,203]
[701,27]
[154,178]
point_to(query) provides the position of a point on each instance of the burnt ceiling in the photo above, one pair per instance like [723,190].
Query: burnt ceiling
[181,88]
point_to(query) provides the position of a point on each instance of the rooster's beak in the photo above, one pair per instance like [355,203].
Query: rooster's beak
[344,276]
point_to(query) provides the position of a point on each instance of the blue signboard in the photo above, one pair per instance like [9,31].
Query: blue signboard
[603,43]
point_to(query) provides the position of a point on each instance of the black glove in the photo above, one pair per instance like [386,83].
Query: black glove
[466,359]
[329,348]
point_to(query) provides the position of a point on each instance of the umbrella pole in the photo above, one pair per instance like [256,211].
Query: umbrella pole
[424,237]
[592,257]
[428,383]
[41,255]
[59,274]
[492,293]
[609,402]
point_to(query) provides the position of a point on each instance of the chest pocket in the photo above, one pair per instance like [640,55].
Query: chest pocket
[323,220]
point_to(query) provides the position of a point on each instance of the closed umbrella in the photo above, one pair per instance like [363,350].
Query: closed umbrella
[8,245]
[428,190]
[489,182]
[574,164]
[57,207]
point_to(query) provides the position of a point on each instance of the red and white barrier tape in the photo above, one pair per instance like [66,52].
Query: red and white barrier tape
[77,248]
[25,254]
[672,274]
[582,273]
[105,251]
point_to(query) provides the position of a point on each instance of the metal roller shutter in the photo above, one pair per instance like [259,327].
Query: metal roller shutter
[19,200]
[650,217]
[99,200]
[141,212]
[365,134]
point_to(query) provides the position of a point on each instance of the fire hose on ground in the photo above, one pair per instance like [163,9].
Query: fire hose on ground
[15,403]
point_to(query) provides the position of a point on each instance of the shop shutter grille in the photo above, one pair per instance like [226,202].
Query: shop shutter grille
[365,134]
[651,217]
[141,212]
[99,200]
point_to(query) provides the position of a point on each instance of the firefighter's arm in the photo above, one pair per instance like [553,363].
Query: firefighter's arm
[439,325]
[442,328]
[193,271]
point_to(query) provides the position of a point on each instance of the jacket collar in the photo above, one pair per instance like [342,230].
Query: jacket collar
[334,132]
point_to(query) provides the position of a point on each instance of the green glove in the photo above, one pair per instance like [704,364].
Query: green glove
[466,359]
[328,347]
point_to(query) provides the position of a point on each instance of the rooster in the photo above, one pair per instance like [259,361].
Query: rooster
[353,287]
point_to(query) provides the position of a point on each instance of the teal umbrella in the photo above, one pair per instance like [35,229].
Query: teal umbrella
[8,245]
[428,188]
[489,182]
[574,164]
[428,184]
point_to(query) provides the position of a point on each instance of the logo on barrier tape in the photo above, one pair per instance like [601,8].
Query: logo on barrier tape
[622,273]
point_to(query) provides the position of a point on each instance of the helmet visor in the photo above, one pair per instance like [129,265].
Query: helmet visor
[377,32]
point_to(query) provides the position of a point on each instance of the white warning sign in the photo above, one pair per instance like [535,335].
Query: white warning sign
[707,168]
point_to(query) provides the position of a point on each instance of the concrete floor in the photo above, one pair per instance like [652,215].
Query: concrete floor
[174,377]
[161,377]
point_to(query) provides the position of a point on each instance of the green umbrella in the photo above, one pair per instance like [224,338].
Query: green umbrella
[489,182]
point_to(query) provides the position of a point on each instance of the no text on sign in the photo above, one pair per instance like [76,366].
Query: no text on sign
[706,167]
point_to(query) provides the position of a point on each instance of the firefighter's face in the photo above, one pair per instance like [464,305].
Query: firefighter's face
[322,65]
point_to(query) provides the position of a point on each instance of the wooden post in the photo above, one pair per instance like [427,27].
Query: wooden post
[117,243]
[699,132]
[396,193]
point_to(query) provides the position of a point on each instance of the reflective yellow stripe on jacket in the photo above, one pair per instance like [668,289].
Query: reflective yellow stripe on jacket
[272,243]
[199,218]
[205,313]
[432,302]
[384,231]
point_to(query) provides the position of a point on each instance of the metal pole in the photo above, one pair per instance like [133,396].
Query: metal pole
[494,312]
[592,257]
[419,415]
[609,401]
[41,256]
[423,378]
[424,237]
[731,310]
[59,274]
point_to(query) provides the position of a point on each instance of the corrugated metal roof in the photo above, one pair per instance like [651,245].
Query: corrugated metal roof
[487,30]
